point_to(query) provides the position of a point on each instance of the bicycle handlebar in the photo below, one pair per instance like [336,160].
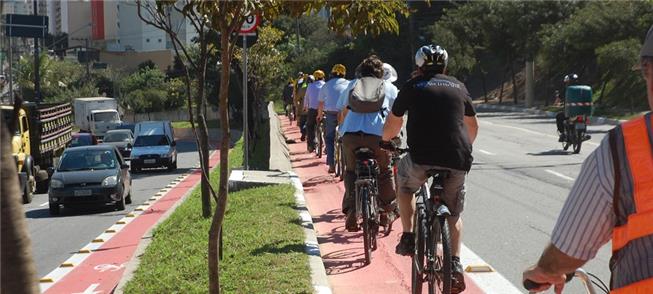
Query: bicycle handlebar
[530,285]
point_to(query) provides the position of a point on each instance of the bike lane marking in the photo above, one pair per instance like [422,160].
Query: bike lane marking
[486,152]
[103,260]
[342,251]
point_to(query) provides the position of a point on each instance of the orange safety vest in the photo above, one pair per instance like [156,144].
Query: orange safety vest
[638,149]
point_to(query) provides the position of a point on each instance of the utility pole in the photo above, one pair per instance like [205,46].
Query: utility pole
[245,109]
[37,78]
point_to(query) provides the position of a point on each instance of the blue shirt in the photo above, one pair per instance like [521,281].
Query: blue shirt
[312,94]
[369,123]
[331,91]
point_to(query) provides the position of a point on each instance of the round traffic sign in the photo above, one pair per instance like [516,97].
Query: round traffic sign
[250,24]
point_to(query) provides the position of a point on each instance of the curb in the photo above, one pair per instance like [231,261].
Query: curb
[135,261]
[595,120]
[319,278]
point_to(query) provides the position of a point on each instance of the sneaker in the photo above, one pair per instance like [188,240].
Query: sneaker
[458,280]
[351,224]
[332,169]
[406,246]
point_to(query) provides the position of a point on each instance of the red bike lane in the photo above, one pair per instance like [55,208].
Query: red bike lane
[342,251]
[102,269]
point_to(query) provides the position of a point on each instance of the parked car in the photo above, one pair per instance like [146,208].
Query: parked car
[122,139]
[154,146]
[90,174]
[83,139]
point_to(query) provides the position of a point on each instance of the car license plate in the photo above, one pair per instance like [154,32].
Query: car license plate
[82,193]
[150,161]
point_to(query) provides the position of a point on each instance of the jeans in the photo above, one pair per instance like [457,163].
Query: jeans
[310,127]
[330,137]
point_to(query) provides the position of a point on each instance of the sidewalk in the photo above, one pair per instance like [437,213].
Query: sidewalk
[342,251]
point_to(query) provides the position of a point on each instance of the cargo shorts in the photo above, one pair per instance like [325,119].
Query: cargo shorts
[411,176]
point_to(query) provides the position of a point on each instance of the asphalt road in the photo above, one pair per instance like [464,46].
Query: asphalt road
[516,189]
[54,239]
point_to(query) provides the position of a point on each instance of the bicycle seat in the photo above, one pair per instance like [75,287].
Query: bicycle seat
[363,153]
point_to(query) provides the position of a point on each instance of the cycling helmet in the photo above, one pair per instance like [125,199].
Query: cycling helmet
[311,78]
[318,74]
[339,69]
[389,73]
[571,78]
[431,56]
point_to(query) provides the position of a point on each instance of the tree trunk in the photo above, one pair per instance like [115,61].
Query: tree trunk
[514,84]
[605,82]
[218,216]
[16,264]
[503,83]
[484,82]
[203,136]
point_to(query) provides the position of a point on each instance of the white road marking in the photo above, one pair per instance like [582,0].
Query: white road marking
[43,204]
[555,173]
[489,282]
[485,152]
[528,131]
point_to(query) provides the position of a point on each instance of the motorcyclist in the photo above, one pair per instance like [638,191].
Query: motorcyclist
[570,79]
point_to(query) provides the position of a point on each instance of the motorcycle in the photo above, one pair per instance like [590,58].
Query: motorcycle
[576,132]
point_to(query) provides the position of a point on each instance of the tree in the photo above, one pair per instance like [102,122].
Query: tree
[145,90]
[17,266]
[226,17]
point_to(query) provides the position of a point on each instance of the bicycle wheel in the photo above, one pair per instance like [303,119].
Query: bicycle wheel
[320,141]
[342,162]
[367,230]
[442,264]
[418,256]
[336,158]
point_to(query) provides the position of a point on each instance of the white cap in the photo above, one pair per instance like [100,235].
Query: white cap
[389,73]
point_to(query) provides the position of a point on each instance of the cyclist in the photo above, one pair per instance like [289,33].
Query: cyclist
[287,96]
[442,126]
[328,98]
[298,98]
[570,79]
[311,104]
[611,200]
[364,129]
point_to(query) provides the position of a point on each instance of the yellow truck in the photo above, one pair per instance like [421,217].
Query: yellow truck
[41,132]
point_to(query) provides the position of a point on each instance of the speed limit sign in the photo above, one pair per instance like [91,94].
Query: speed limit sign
[250,24]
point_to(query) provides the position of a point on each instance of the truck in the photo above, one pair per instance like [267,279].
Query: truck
[96,115]
[40,133]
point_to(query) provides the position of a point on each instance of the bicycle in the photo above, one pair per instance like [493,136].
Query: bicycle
[320,129]
[339,157]
[289,109]
[430,227]
[583,276]
[367,192]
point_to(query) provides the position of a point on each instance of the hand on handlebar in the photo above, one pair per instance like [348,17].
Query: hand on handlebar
[537,280]
[388,145]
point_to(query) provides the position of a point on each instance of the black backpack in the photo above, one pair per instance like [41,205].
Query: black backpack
[367,95]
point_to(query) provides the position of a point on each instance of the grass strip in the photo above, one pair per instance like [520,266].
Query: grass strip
[263,245]
[185,124]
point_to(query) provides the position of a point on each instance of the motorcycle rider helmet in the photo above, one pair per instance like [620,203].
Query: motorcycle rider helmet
[431,57]
[571,78]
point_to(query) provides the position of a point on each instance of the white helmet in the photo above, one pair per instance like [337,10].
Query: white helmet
[389,73]
[431,56]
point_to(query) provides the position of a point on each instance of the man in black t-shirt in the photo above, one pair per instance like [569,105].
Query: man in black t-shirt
[441,128]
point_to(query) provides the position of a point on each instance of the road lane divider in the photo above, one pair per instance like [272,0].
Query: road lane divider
[527,131]
[486,152]
[555,173]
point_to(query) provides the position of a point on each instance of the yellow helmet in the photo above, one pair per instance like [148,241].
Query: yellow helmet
[318,74]
[339,69]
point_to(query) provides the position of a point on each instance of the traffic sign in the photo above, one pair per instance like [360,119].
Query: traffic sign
[250,24]
[24,25]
